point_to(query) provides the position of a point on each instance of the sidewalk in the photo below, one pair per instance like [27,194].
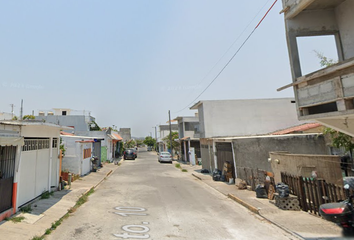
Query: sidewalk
[299,223]
[47,211]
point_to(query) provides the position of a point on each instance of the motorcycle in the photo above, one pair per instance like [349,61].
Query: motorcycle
[341,213]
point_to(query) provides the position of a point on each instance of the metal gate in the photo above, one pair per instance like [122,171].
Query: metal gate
[7,170]
[223,154]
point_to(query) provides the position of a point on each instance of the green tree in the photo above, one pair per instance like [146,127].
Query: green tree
[175,144]
[341,140]
[324,61]
[130,144]
[139,142]
[28,117]
[149,141]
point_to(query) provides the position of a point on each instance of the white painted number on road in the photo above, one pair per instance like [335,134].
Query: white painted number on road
[138,230]
[126,214]
[131,209]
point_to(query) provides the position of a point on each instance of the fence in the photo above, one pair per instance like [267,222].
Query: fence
[312,193]
[252,176]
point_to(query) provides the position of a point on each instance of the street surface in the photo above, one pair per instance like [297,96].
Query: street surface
[144,199]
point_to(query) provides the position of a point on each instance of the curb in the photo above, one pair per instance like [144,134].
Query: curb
[196,176]
[246,205]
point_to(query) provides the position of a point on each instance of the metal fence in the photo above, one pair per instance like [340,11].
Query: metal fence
[253,177]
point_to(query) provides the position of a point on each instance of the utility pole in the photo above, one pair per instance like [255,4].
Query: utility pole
[12,110]
[21,113]
[156,139]
[169,119]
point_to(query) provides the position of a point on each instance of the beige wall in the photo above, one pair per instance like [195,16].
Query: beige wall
[326,166]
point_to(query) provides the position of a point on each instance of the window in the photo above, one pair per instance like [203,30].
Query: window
[35,144]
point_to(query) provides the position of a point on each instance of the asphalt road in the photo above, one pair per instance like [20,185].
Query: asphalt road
[144,199]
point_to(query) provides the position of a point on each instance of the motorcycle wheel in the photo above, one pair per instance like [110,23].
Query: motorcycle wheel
[348,232]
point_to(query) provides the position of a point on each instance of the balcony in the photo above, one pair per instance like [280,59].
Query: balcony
[330,90]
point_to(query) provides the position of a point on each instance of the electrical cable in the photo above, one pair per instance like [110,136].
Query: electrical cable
[244,42]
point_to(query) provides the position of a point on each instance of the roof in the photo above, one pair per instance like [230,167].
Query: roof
[32,123]
[115,137]
[297,129]
[66,134]
[262,136]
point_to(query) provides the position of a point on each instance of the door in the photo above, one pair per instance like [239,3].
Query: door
[7,170]
[223,154]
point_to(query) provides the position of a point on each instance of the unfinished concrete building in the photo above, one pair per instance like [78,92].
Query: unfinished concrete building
[327,94]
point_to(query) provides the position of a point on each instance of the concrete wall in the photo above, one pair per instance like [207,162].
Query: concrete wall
[79,122]
[254,152]
[326,166]
[345,19]
[246,117]
[125,133]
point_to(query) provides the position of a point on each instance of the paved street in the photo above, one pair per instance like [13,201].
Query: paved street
[144,199]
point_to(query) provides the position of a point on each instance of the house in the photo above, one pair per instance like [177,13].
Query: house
[164,131]
[326,95]
[125,133]
[6,116]
[81,121]
[219,119]
[29,162]
[188,133]
[244,117]
[79,150]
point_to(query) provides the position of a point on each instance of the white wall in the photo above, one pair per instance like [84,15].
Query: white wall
[247,117]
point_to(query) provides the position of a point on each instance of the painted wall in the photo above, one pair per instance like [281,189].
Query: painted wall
[326,166]
[254,152]
[74,160]
[246,117]
[79,122]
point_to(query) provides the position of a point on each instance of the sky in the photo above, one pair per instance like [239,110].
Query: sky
[129,62]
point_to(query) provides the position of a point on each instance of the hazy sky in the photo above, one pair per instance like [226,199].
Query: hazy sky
[129,62]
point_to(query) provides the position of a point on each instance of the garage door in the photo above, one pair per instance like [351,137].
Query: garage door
[34,170]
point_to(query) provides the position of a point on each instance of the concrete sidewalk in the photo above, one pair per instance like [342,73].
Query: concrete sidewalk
[47,211]
[299,223]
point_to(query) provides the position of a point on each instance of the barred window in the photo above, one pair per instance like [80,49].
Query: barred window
[35,144]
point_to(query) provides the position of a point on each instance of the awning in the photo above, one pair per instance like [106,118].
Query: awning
[115,137]
[11,141]
[185,138]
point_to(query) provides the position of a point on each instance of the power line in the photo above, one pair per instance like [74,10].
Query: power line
[244,42]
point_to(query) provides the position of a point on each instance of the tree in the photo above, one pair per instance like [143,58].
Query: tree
[340,140]
[324,61]
[149,141]
[139,142]
[130,144]
[30,117]
[175,144]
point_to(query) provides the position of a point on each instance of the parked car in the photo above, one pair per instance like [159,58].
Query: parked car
[129,154]
[135,150]
[149,148]
[165,157]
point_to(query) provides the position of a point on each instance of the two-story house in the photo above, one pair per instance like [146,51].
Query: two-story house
[326,95]
[188,133]
[219,119]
